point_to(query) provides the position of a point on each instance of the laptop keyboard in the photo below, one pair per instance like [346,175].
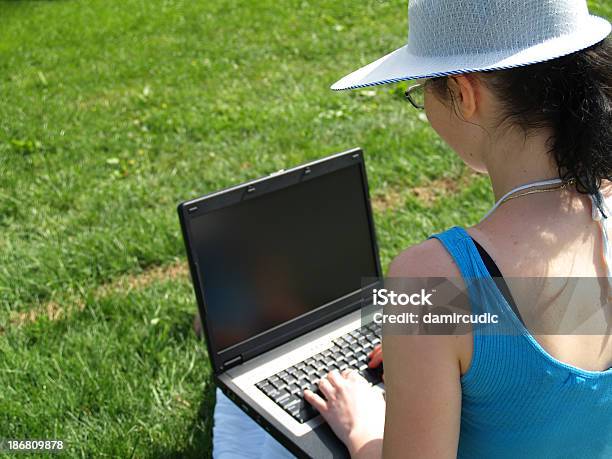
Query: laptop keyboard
[348,351]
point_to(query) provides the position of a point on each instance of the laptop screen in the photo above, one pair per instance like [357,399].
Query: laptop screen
[272,258]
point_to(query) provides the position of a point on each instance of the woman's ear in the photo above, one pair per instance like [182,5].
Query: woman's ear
[465,95]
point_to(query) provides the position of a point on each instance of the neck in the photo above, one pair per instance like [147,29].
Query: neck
[516,160]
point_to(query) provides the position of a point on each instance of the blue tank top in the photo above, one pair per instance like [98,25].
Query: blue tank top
[517,400]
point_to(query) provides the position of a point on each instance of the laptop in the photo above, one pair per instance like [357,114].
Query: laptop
[277,266]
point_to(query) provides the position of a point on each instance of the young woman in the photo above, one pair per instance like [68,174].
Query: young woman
[522,91]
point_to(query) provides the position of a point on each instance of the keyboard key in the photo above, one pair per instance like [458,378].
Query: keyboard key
[279,384]
[287,403]
[305,384]
[306,414]
[295,407]
[322,372]
[281,397]
[282,374]
[295,389]
[310,371]
[267,389]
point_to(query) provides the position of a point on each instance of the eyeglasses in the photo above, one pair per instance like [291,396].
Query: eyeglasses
[416,95]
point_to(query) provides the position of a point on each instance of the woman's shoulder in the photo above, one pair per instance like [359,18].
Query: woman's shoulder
[431,259]
[427,259]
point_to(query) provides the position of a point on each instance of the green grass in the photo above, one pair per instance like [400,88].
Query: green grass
[111,112]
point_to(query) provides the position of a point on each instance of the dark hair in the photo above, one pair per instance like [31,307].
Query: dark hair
[572,95]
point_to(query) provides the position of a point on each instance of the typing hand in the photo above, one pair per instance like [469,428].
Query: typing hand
[353,409]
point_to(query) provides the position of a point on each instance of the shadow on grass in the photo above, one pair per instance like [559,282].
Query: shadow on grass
[200,432]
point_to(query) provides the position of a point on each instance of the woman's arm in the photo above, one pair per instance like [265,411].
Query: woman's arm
[421,414]
[422,373]
[423,396]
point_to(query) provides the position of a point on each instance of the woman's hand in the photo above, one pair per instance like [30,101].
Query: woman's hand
[354,410]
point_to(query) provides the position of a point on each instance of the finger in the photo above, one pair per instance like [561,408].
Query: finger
[355,377]
[377,348]
[376,351]
[376,359]
[315,400]
[345,373]
[335,378]
[327,389]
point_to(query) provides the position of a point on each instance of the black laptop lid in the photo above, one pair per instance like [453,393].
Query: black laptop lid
[277,257]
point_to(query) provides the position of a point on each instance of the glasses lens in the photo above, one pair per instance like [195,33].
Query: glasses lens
[418,96]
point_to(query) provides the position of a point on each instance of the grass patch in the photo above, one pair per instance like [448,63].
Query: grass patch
[113,112]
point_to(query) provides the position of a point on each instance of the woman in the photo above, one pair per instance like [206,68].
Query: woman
[520,90]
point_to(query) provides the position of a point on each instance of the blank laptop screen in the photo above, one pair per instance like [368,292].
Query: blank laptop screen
[272,258]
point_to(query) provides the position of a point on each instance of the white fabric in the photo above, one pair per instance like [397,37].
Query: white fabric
[458,36]
[236,435]
[603,219]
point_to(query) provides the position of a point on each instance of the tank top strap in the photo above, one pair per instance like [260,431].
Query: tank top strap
[481,288]
[464,253]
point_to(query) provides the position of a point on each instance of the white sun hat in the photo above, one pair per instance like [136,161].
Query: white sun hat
[447,37]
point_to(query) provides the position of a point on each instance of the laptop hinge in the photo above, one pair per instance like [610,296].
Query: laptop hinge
[232,362]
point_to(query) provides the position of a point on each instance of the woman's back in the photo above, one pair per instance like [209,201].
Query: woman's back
[563,240]
[528,396]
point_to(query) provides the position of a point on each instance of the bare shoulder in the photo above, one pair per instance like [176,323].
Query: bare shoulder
[427,259]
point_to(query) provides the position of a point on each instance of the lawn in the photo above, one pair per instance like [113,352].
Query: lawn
[111,112]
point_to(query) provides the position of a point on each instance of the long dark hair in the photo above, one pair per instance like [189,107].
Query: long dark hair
[572,95]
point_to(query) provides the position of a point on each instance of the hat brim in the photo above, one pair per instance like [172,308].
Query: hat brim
[402,65]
